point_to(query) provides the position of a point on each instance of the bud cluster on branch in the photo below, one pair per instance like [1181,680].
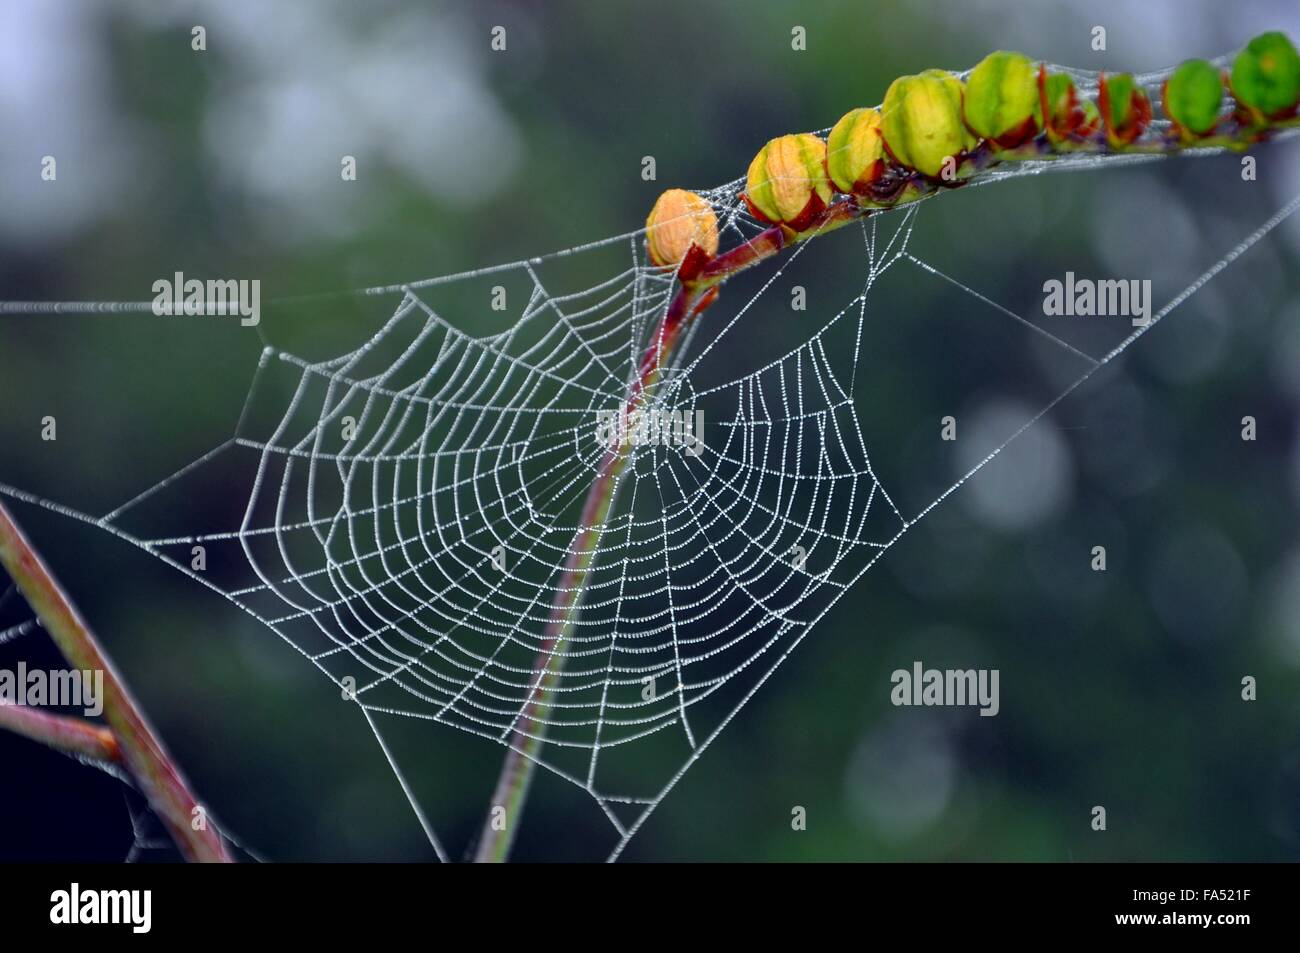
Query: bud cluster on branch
[936,130]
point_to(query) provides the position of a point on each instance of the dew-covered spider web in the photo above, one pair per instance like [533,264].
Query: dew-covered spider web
[409,506]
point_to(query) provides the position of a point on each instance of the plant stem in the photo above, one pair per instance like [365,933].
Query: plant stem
[141,753]
[74,736]
[692,298]
[517,771]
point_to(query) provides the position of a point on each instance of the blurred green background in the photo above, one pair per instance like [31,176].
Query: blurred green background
[1119,689]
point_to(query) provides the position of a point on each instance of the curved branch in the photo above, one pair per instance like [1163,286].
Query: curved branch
[898,188]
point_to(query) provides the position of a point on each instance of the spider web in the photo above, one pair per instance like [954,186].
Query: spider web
[414,505]
[410,505]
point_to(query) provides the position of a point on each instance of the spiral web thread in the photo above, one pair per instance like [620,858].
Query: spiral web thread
[412,503]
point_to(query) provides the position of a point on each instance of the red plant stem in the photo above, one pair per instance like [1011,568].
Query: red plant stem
[691,298]
[141,753]
[759,248]
[517,771]
[74,736]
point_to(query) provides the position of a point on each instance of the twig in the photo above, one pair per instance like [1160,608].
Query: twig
[74,736]
[691,299]
[141,753]
[517,771]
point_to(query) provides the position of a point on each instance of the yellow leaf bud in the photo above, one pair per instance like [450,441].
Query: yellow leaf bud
[922,121]
[787,182]
[679,222]
[855,151]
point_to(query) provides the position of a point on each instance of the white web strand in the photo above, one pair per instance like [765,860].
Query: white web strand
[377,555]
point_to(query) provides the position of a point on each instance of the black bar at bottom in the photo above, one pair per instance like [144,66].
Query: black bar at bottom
[356,903]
